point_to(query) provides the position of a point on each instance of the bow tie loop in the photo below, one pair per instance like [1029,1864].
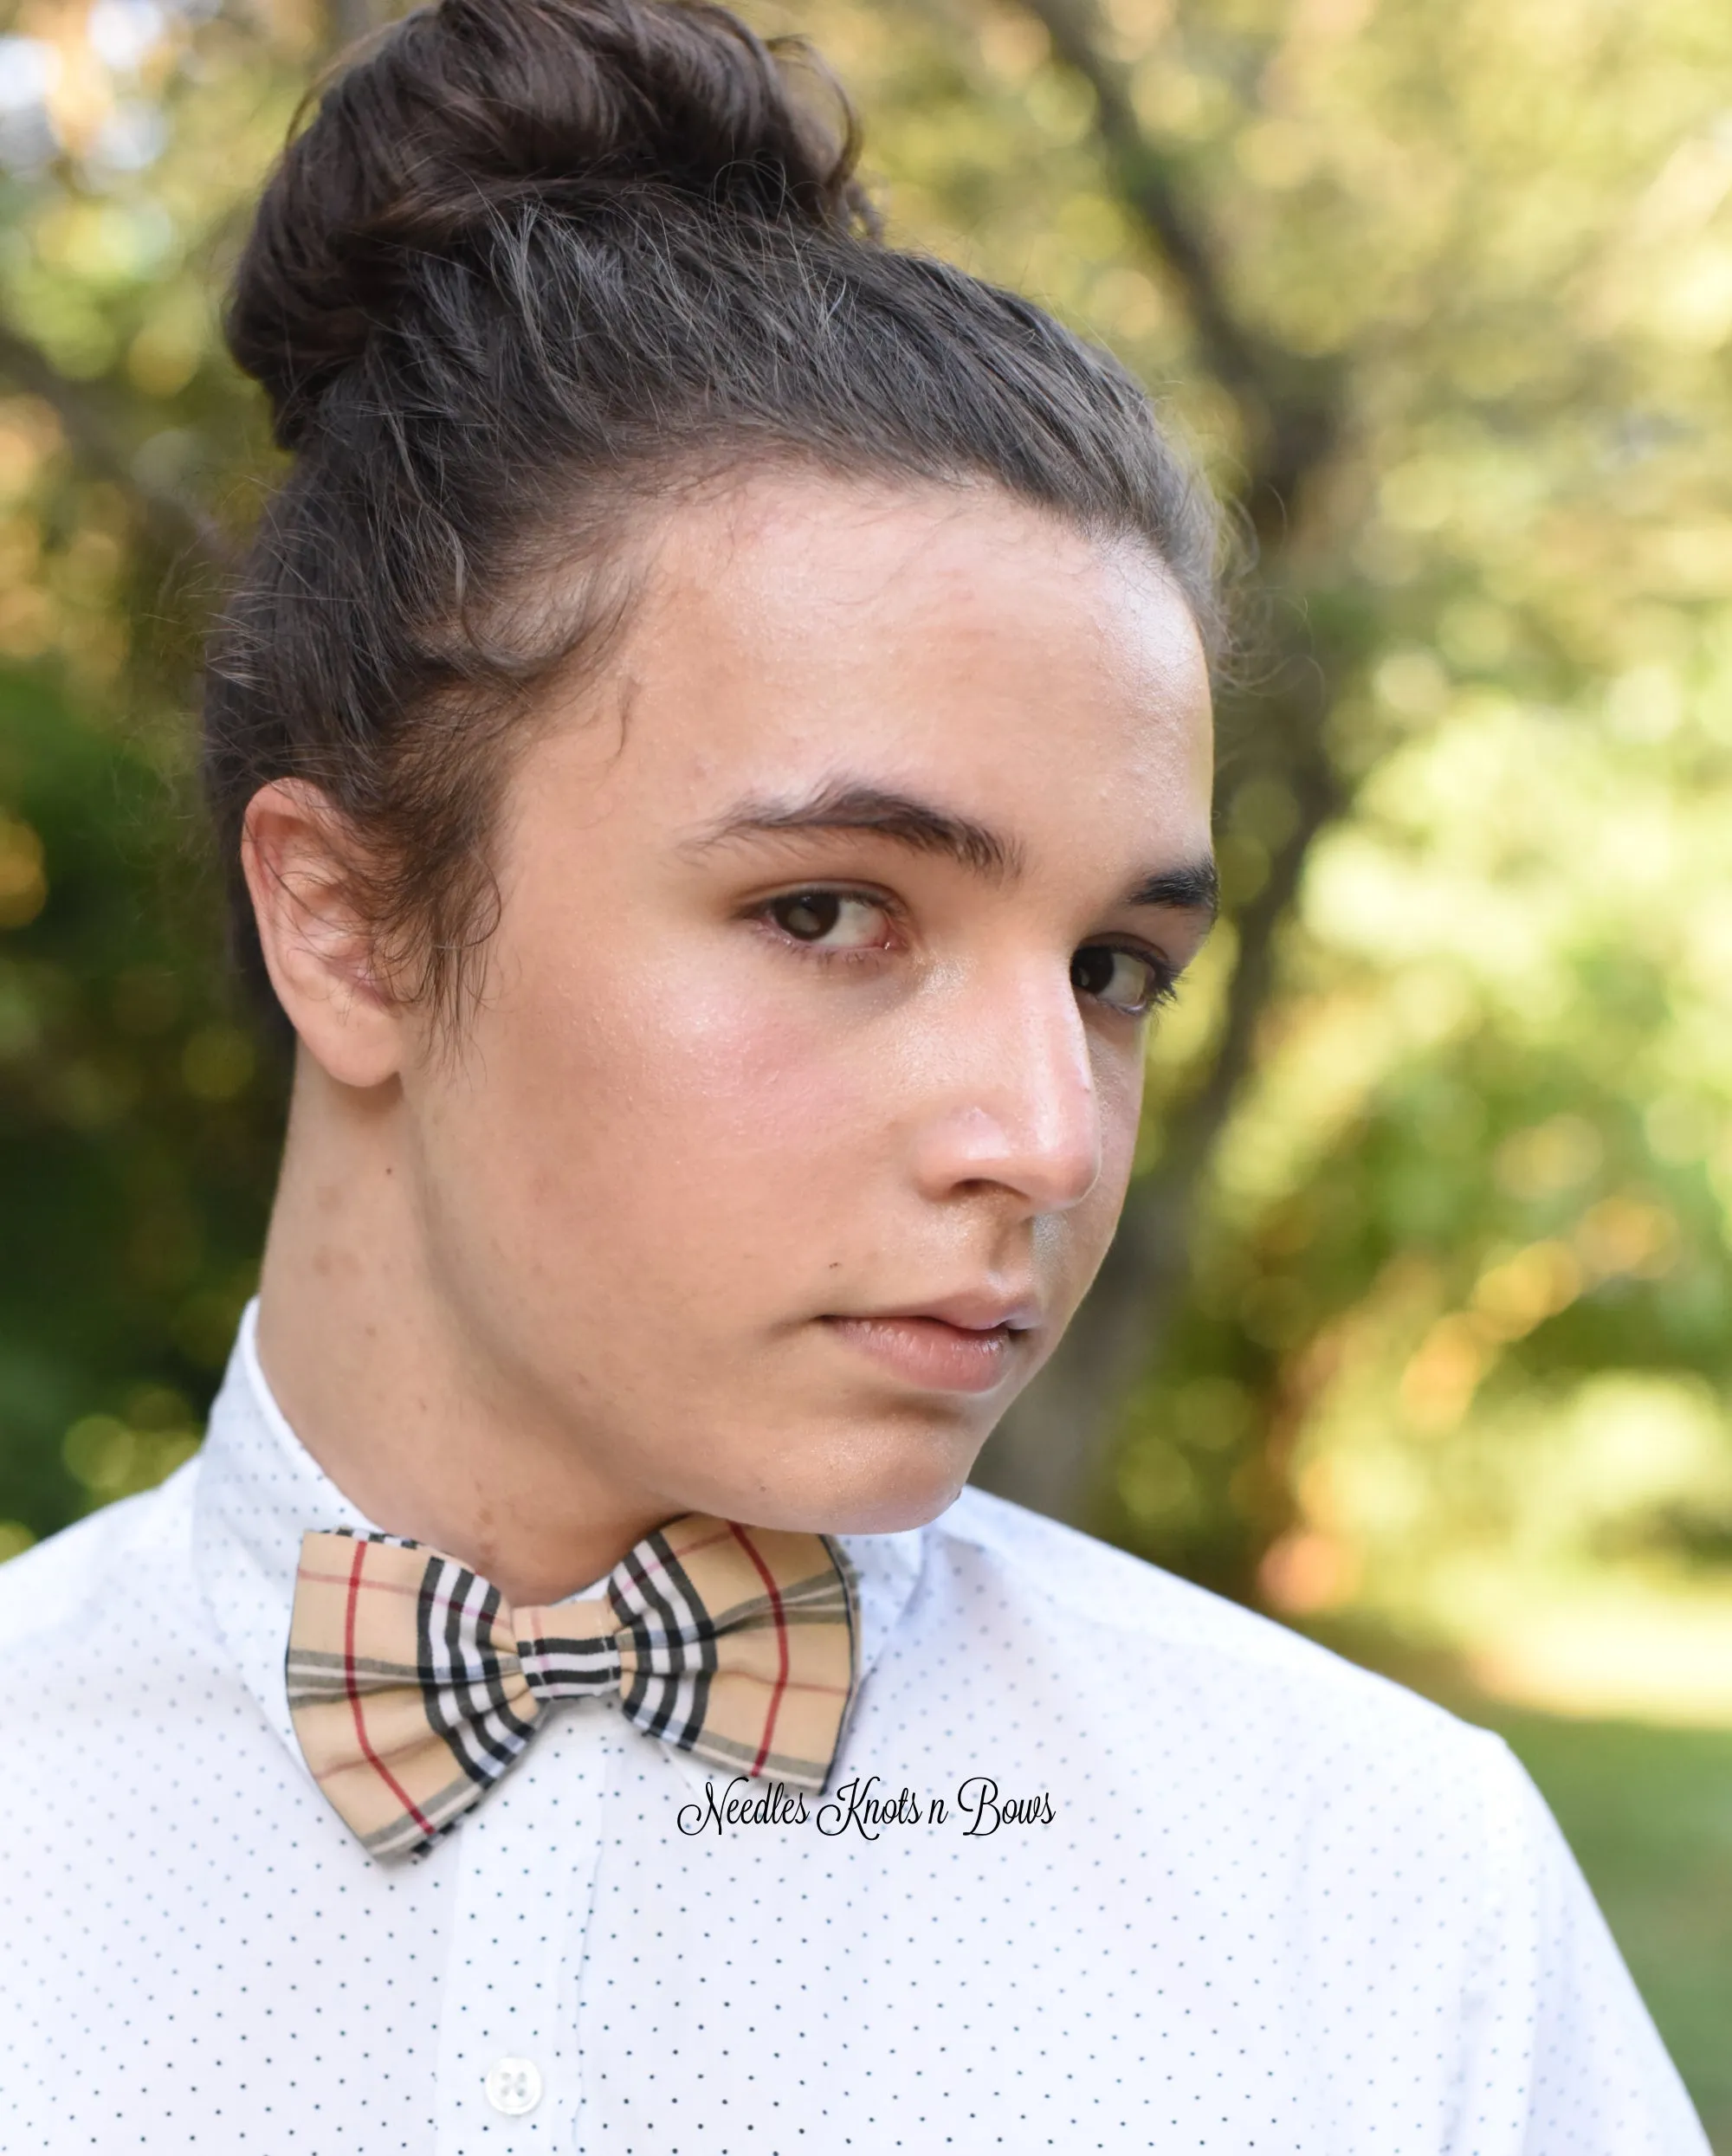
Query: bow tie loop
[567,1652]
[413,1686]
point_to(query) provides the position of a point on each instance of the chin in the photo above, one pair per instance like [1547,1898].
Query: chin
[909,1503]
[877,1481]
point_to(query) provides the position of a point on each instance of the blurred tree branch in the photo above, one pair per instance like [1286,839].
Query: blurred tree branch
[1053,1445]
[175,524]
[1291,404]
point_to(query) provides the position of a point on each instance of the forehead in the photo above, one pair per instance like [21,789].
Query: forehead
[950,635]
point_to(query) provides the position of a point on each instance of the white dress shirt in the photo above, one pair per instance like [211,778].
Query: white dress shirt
[1240,1896]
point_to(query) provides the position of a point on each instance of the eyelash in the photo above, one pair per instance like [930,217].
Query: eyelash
[1163,982]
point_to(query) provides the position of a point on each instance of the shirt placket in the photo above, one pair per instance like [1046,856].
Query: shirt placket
[509,2075]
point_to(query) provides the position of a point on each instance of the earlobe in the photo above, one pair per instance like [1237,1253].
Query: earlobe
[301,861]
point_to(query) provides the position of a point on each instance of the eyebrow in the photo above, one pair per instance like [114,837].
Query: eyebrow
[923,826]
[845,805]
[1195,888]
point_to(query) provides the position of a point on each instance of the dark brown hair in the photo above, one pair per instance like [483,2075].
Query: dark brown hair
[532,266]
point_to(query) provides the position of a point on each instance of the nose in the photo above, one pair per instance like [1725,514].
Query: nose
[1014,1103]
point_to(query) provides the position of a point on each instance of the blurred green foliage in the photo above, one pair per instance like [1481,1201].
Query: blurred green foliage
[138,1117]
[137,1129]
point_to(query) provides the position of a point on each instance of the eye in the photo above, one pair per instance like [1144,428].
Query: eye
[830,920]
[1124,980]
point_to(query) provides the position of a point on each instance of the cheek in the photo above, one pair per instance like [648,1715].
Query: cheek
[674,1102]
[1119,1090]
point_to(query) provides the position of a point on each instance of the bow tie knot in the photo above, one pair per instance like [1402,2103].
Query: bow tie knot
[413,1686]
[571,1650]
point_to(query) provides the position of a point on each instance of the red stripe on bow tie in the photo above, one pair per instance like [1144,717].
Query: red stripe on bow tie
[371,1757]
[769,1588]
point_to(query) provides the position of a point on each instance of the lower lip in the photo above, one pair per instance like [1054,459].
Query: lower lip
[928,1352]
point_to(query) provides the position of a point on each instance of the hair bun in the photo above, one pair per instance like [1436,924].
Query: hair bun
[470,109]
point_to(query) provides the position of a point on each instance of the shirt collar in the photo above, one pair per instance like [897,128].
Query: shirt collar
[259,1490]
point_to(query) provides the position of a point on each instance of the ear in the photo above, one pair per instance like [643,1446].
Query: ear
[301,856]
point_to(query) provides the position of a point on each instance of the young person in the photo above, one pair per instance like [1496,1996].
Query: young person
[712,744]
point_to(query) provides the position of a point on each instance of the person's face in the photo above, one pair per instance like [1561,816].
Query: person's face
[798,1108]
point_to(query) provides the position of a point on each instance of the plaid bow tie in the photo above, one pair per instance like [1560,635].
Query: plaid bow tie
[413,1686]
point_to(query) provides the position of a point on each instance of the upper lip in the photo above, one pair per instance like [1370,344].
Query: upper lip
[974,1310]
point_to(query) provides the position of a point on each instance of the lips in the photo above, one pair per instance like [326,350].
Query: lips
[966,1343]
[971,1311]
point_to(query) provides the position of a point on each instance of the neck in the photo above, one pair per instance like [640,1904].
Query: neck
[389,1390]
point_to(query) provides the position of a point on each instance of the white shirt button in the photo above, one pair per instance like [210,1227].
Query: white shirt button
[514,2086]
